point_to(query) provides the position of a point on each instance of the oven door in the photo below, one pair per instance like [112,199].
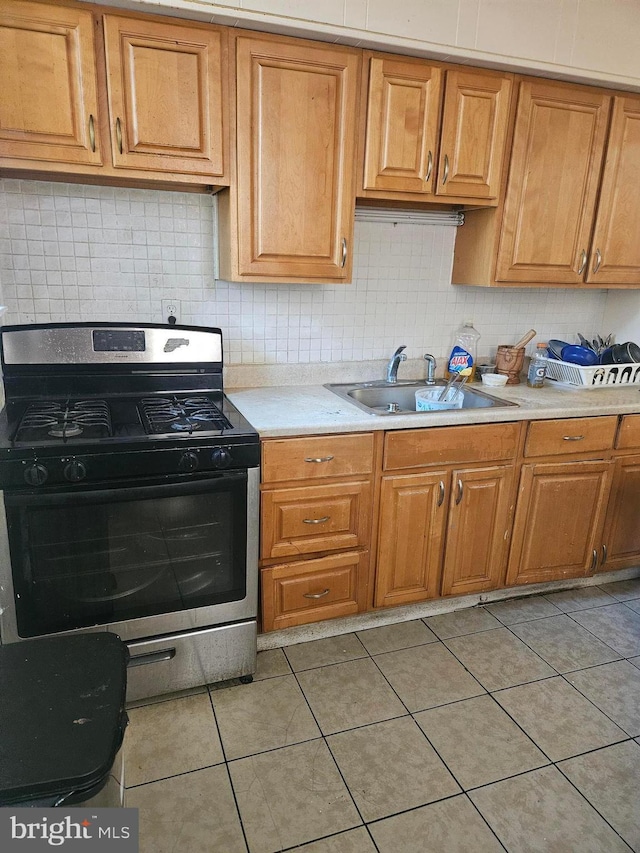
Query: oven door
[141,560]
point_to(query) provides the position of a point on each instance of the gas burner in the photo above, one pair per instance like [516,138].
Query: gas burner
[162,415]
[65,430]
[65,419]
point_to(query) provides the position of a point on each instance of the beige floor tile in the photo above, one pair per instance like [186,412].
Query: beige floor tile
[479,742]
[390,638]
[498,659]
[634,604]
[579,599]
[291,796]
[610,779]
[543,813]
[351,841]
[390,767]
[558,718]
[563,644]
[170,738]
[194,812]
[461,622]
[635,661]
[349,694]
[623,590]
[522,609]
[271,662]
[615,689]
[450,826]
[323,652]
[264,715]
[427,676]
[616,625]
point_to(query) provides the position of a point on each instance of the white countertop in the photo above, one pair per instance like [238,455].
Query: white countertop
[313,410]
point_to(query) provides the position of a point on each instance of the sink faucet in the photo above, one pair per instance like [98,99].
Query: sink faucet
[394,363]
[431,369]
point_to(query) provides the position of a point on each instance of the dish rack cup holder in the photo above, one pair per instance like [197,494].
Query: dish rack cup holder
[598,376]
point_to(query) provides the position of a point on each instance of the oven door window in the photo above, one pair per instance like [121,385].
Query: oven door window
[95,557]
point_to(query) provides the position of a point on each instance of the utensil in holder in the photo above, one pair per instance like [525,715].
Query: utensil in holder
[509,361]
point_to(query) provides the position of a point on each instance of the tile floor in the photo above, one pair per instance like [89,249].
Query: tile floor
[512,726]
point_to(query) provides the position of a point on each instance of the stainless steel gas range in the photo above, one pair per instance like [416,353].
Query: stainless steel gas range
[130,497]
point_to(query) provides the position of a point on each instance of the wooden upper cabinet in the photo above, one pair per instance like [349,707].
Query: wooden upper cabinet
[615,254]
[296,120]
[474,132]
[165,85]
[558,148]
[403,107]
[48,89]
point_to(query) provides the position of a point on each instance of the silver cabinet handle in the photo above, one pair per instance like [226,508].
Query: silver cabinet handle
[460,492]
[119,134]
[446,170]
[572,437]
[440,493]
[583,262]
[344,253]
[604,556]
[594,560]
[151,657]
[316,594]
[316,520]
[596,266]
[427,177]
[318,459]
[92,133]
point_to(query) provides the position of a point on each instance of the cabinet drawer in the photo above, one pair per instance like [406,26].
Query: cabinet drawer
[317,457]
[413,448]
[315,518]
[629,435]
[297,593]
[570,435]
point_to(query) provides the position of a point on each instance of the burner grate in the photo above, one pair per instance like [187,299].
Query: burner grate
[65,419]
[162,415]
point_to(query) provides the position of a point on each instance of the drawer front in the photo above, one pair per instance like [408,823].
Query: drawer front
[298,593]
[570,435]
[629,435]
[414,448]
[315,518]
[317,457]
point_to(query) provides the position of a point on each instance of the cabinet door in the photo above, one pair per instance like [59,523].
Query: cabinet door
[165,85]
[412,518]
[615,256]
[477,539]
[559,521]
[474,131]
[48,99]
[402,125]
[557,153]
[296,110]
[622,529]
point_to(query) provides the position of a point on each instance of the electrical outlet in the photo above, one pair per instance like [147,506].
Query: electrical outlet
[171,308]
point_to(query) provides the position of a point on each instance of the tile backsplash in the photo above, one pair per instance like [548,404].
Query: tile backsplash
[74,252]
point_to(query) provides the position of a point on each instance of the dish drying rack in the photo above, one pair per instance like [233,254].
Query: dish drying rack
[599,376]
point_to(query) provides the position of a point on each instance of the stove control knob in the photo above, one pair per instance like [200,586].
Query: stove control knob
[35,474]
[74,471]
[188,462]
[221,457]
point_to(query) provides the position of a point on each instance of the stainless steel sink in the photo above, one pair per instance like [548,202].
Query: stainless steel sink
[383,398]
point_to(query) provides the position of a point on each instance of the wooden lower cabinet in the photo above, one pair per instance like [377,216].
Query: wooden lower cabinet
[559,520]
[478,529]
[311,590]
[412,522]
[621,539]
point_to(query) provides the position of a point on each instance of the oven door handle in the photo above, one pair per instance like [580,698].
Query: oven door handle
[126,493]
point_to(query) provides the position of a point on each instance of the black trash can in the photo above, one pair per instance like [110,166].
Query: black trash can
[62,721]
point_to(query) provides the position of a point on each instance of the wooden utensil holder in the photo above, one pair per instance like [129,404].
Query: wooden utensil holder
[509,361]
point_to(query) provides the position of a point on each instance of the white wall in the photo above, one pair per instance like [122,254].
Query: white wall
[73,252]
[591,40]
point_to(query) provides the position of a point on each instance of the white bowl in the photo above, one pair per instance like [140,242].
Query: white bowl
[494,380]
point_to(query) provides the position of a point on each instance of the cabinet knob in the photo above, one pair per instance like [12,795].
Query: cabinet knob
[344,253]
[92,133]
[583,262]
[598,261]
[460,492]
[316,520]
[445,174]
[119,134]
[427,177]
[318,458]
[316,594]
